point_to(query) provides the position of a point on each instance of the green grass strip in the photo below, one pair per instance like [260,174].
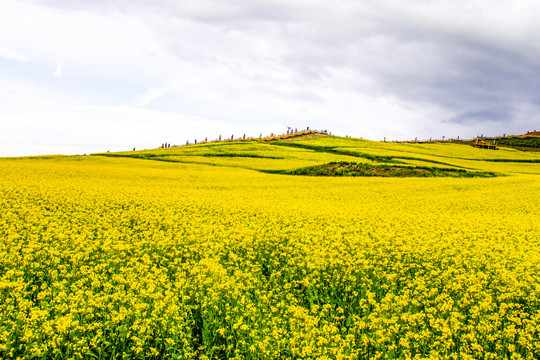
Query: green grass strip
[360,169]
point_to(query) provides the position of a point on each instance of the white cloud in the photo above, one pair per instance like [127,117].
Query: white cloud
[58,71]
[363,68]
[150,96]
[8,53]
[74,129]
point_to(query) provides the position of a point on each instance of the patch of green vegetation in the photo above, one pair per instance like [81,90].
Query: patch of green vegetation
[425,160]
[530,141]
[359,169]
[514,160]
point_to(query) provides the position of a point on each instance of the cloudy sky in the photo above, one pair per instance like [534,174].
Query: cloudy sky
[80,76]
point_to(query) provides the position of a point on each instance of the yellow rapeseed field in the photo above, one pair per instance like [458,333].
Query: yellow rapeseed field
[200,256]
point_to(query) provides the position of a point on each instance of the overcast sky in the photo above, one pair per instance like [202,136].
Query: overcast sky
[80,76]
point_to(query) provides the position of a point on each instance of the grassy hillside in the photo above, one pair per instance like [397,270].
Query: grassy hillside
[301,152]
[196,252]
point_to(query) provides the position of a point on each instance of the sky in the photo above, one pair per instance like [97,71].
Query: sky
[79,76]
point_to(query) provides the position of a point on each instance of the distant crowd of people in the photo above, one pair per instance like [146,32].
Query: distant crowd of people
[290,131]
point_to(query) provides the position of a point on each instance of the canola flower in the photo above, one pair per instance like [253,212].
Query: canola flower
[134,259]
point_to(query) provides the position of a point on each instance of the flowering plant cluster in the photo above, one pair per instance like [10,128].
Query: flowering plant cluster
[122,258]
